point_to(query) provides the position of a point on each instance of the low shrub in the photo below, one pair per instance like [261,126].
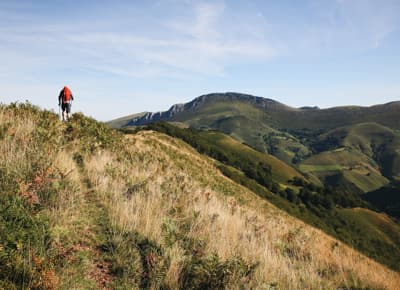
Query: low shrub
[209,272]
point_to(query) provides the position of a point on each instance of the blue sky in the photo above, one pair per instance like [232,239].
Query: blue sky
[124,57]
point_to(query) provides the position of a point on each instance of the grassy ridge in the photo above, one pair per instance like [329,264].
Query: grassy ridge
[316,206]
[84,207]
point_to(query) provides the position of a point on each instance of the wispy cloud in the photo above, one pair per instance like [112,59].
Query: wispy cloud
[205,38]
[198,45]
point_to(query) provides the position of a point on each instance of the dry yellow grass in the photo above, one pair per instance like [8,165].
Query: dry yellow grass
[166,182]
[16,146]
[168,176]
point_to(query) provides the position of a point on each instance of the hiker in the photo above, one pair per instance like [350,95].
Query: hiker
[64,100]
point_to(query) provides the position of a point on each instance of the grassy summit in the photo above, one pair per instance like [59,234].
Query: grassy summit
[84,207]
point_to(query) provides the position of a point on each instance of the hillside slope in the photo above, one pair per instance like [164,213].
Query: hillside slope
[85,207]
[364,156]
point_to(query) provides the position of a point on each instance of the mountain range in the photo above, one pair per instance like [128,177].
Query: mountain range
[214,109]
[351,146]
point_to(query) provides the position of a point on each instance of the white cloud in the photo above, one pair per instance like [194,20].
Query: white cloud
[204,44]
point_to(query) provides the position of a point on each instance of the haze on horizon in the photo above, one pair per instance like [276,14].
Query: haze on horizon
[124,57]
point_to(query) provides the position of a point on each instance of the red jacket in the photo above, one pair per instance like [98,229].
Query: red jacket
[65,95]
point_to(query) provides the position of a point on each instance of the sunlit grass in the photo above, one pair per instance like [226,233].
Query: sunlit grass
[149,211]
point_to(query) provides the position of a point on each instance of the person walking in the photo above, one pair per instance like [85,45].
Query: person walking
[65,99]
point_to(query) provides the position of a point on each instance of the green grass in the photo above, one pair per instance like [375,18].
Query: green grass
[281,172]
[365,182]
[348,157]
[356,168]
[318,168]
[380,235]
[376,224]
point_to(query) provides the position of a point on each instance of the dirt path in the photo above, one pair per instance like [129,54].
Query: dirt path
[99,269]
[88,251]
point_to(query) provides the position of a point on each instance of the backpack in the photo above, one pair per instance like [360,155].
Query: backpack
[66,95]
